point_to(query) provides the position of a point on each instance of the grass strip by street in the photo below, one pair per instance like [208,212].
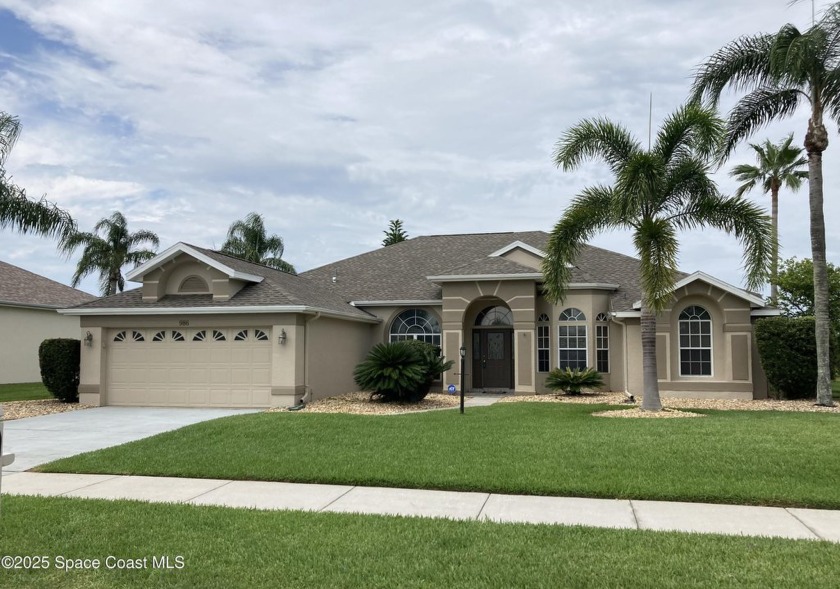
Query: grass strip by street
[742,457]
[248,548]
[26,391]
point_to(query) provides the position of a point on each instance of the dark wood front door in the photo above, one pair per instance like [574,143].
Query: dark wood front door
[492,359]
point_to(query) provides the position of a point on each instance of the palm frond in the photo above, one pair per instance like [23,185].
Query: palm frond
[143,236]
[691,129]
[743,219]
[742,64]
[22,214]
[757,109]
[588,213]
[593,139]
[9,133]
[279,264]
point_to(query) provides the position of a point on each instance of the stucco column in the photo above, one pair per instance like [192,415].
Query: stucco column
[92,361]
[287,363]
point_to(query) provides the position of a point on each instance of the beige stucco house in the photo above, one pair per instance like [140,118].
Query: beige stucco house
[28,316]
[206,329]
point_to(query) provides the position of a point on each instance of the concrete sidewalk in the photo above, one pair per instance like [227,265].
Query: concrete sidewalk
[813,524]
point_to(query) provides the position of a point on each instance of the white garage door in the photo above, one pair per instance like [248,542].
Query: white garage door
[212,367]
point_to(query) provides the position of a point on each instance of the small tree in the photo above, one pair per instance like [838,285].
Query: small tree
[395,233]
[796,290]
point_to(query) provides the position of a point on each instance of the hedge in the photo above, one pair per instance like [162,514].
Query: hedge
[59,360]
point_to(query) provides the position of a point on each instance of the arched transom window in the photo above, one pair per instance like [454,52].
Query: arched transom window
[416,324]
[571,335]
[494,316]
[695,342]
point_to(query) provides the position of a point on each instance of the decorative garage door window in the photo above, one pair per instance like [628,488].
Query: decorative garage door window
[218,336]
[177,336]
[695,342]
[572,339]
[416,324]
[161,336]
[260,335]
[129,336]
[241,336]
[199,336]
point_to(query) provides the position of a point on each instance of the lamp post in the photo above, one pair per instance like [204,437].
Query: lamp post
[463,351]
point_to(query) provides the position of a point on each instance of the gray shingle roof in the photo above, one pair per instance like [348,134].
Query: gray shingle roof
[399,271]
[276,289]
[22,287]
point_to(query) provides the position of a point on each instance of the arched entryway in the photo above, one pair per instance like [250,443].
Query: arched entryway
[490,324]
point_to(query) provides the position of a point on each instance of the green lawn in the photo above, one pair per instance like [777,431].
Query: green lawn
[247,548]
[23,392]
[769,458]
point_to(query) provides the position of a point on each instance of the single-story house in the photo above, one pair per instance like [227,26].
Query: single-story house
[207,329]
[28,316]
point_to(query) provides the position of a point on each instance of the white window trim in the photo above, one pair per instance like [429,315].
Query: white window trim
[585,337]
[711,346]
[547,325]
[607,349]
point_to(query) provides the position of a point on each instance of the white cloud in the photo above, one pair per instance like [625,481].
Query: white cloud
[331,118]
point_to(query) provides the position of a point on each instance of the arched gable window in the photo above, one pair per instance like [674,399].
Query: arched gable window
[571,335]
[416,324]
[695,341]
[194,285]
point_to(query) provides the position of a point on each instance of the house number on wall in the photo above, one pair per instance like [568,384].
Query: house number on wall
[183,323]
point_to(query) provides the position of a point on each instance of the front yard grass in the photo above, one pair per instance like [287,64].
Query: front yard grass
[27,391]
[248,548]
[765,458]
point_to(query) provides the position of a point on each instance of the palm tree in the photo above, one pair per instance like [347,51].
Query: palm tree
[395,233]
[779,71]
[657,192]
[778,165]
[107,254]
[247,240]
[16,210]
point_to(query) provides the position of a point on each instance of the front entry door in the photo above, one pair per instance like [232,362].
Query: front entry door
[492,359]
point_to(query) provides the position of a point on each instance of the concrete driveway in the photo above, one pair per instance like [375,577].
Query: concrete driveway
[37,440]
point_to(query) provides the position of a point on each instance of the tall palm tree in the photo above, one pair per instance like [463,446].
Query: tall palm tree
[657,192]
[778,165]
[247,239]
[16,210]
[108,253]
[779,71]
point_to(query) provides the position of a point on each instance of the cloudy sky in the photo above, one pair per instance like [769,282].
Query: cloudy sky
[330,118]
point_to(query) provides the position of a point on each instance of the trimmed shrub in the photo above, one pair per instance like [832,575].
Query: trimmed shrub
[788,351]
[59,360]
[572,382]
[400,371]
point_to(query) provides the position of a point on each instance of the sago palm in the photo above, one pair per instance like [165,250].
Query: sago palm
[109,252]
[778,72]
[17,211]
[656,193]
[778,165]
[247,240]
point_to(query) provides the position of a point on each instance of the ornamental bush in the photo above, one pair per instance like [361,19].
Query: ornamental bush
[59,361]
[400,371]
[788,351]
[572,382]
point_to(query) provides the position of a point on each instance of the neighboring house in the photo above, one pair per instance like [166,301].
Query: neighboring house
[28,305]
[206,329]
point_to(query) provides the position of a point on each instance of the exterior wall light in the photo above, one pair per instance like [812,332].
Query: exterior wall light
[281,339]
[89,339]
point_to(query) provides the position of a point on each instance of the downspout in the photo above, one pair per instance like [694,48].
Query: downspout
[307,395]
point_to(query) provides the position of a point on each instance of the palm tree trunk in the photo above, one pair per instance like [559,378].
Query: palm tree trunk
[650,396]
[774,265]
[816,141]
